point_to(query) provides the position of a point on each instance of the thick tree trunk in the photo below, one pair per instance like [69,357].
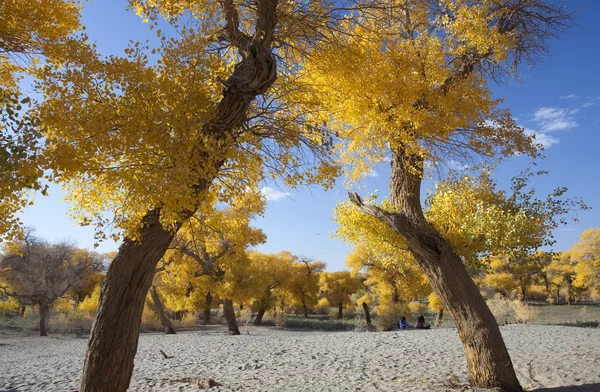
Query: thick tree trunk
[488,362]
[340,310]
[367,313]
[230,316]
[22,311]
[44,313]
[207,307]
[164,320]
[113,341]
[259,316]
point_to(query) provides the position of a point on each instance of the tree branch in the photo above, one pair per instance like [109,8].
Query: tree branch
[395,220]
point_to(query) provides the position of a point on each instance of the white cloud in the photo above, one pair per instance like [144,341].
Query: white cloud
[542,138]
[554,119]
[373,173]
[592,101]
[457,165]
[273,194]
[570,96]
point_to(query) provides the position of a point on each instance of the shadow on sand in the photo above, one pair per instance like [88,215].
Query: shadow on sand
[574,388]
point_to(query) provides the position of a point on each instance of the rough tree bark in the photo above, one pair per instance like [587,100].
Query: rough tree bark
[164,320]
[488,362]
[340,310]
[114,337]
[44,313]
[230,317]
[367,313]
[207,307]
[113,341]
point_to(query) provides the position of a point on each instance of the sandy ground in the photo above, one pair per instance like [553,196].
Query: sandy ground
[547,358]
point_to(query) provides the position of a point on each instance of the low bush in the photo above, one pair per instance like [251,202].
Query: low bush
[510,311]
[389,316]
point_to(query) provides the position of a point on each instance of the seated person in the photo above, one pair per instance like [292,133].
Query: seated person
[403,324]
[421,323]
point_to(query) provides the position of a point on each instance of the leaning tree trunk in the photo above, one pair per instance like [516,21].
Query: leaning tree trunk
[113,341]
[44,312]
[164,320]
[340,310]
[207,307]
[488,362]
[439,317]
[263,306]
[367,313]
[230,317]
[259,316]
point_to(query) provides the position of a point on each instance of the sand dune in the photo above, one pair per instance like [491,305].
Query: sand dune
[560,359]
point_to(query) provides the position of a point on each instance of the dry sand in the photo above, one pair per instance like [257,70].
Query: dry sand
[561,359]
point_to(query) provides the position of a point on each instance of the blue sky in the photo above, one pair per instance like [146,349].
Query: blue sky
[559,100]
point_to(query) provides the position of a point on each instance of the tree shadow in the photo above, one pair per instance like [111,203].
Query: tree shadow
[582,324]
[572,388]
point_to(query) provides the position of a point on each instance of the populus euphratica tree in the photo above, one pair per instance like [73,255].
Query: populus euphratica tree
[411,80]
[138,141]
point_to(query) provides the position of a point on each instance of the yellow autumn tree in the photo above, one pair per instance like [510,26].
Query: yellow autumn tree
[208,258]
[586,253]
[338,287]
[28,32]
[409,80]
[268,274]
[302,289]
[561,274]
[497,232]
[140,144]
